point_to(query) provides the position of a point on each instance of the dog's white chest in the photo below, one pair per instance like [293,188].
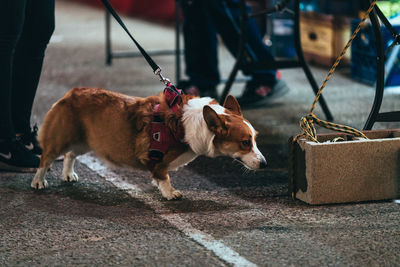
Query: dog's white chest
[182,160]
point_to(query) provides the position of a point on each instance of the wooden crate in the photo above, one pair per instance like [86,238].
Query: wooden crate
[323,37]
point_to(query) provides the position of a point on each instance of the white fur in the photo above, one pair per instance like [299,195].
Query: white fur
[68,173]
[167,190]
[39,180]
[197,134]
[200,138]
[182,160]
[253,158]
[219,109]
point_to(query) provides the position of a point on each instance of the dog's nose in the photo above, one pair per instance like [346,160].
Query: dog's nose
[263,164]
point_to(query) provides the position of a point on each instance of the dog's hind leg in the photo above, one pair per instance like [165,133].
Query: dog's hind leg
[59,134]
[39,181]
[68,173]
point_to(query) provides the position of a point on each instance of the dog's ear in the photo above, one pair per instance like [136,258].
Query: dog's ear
[232,104]
[214,122]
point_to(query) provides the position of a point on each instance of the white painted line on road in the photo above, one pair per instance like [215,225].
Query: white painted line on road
[223,252]
[97,166]
[207,241]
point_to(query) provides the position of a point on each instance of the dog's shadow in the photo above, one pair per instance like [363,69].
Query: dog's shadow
[187,206]
[99,192]
[228,173]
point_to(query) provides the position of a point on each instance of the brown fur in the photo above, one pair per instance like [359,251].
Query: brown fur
[117,128]
[114,126]
[229,130]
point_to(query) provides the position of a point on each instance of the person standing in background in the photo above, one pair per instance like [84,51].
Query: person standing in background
[203,21]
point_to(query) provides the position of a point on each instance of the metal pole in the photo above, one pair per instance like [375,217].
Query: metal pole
[177,42]
[380,71]
[241,48]
[108,39]
[303,63]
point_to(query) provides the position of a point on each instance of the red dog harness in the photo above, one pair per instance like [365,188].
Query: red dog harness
[162,137]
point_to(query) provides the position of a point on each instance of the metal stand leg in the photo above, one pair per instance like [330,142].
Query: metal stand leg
[108,39]
[300,55]
[177,42]
[241,49]
[380,80]
[110,55]
[303,63]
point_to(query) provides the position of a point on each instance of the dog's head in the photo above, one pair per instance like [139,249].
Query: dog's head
[234,135]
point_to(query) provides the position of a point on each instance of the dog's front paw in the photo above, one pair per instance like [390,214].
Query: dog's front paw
[70,177]
[175,194]
[167,190]
[37,184]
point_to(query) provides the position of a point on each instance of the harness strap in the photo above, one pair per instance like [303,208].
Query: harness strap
[162,137]
[159,137]
[173,97]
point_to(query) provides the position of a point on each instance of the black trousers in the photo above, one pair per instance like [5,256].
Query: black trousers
[25,30]
[203,21]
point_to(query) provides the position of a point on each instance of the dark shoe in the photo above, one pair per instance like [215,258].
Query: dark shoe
[194,90]
[30,141]
[256,96]
[14,156]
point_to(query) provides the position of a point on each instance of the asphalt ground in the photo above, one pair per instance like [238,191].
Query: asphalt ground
[227,216]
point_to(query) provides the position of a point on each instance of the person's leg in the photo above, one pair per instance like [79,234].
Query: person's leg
[222,12]
[265,83]
[200,41]
[28,60]
[14,155]
[12,14]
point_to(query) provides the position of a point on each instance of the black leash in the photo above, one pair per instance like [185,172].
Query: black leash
[153,65]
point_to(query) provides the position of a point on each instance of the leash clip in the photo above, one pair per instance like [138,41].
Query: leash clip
[164,80]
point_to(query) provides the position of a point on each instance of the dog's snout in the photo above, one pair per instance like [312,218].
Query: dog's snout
[263,164]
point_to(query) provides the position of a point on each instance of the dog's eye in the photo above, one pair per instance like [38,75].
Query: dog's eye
[246,143]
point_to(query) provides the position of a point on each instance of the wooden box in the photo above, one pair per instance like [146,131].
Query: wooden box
[323,38]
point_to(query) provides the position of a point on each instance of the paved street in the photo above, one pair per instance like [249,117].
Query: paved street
[227,217]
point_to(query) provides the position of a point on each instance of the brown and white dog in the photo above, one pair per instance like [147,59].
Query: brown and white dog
[117,128]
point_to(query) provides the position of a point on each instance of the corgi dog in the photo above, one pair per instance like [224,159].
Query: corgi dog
[118,128]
